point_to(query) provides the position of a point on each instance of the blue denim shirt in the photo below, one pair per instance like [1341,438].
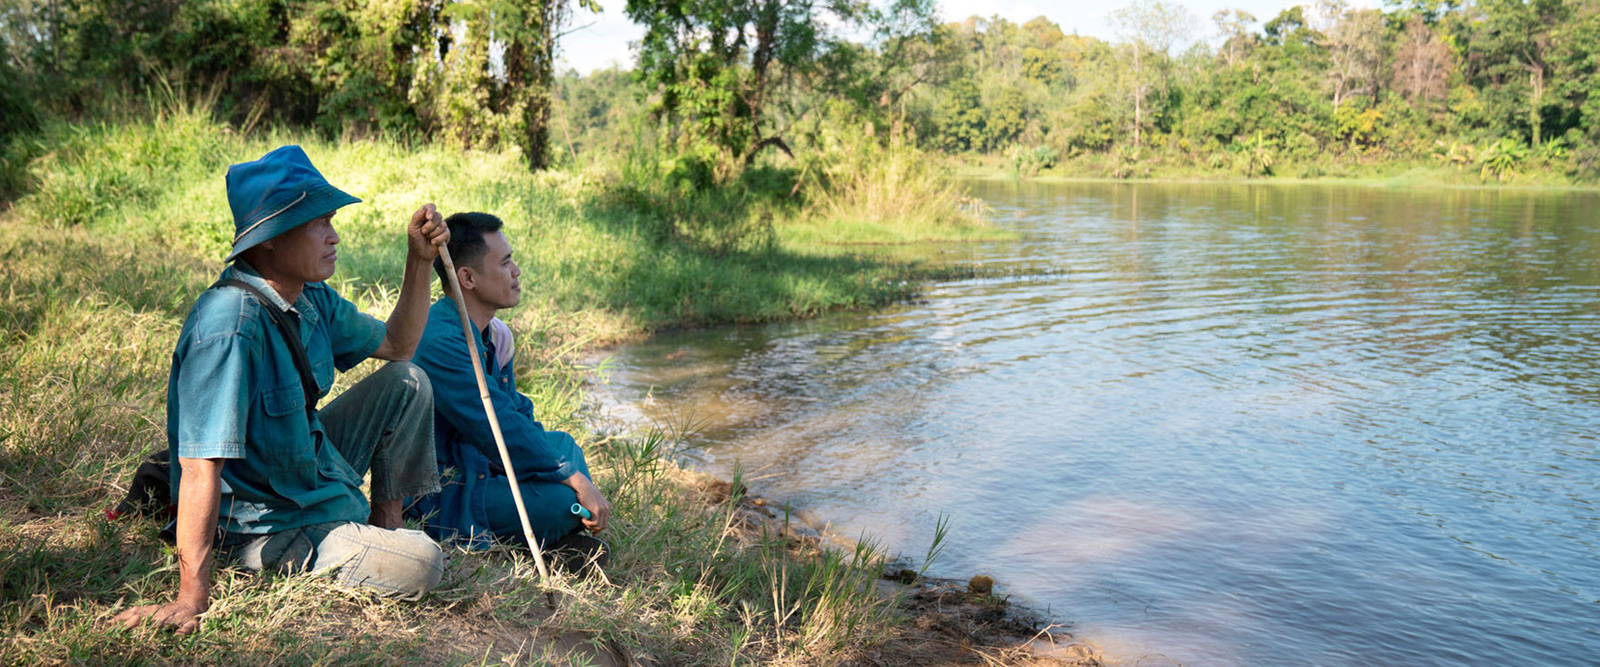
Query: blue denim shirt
[463,440]
[234,393]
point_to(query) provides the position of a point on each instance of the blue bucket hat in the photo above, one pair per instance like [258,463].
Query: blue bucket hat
[277,193]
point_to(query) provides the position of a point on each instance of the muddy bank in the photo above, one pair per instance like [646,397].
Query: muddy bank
[945,621]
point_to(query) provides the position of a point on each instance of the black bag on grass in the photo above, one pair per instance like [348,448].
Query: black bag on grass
[151,489]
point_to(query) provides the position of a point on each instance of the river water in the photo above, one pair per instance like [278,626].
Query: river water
[1208,424]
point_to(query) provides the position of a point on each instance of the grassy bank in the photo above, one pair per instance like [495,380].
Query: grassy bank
[1379,173]
[124,225]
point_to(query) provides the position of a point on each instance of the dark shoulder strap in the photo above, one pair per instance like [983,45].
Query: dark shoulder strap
[291,335]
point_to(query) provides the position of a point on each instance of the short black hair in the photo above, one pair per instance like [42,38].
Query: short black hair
[466,241]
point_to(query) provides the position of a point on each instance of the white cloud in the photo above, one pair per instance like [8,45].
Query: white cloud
[1093,17]
[598,40]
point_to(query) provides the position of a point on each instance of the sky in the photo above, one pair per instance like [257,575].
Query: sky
[598,41]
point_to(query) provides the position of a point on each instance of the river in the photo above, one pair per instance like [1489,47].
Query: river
[1208,424]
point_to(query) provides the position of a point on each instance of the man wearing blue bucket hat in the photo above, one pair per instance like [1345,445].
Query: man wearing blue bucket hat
[265,477]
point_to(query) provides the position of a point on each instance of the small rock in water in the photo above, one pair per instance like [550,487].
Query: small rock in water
[904,575]
[981,585]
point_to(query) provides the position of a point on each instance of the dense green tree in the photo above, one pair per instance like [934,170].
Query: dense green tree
[1514,45]
[1290,30]
[965,125]
[477,72]
[716,62]
[1043,60]
[346,51]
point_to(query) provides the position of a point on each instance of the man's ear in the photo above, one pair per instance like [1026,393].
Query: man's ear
[254,253]
[466,277]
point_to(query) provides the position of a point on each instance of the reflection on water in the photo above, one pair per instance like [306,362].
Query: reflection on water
[1210,424]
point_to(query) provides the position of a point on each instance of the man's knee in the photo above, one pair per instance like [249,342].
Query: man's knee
[432,569]
[407,576]
[408,376]
[568,446]
[405,563]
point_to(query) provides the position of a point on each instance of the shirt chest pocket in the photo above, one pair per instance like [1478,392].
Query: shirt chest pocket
[286,432]
[322,370]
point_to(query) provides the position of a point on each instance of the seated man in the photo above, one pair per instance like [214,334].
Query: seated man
[476,503]
[262,475]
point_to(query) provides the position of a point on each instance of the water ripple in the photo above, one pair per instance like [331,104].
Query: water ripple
[1213,424]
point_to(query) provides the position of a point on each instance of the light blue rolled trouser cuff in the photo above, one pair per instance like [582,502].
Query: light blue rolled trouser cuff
[404,563]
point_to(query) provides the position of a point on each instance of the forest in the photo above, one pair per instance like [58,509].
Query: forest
[1495,90]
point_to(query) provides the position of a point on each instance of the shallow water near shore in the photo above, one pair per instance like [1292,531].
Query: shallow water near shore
[1208,424]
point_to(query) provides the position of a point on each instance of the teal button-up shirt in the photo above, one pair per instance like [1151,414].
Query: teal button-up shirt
[234,393]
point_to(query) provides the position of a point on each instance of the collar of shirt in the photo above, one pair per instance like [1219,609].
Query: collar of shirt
[302,306]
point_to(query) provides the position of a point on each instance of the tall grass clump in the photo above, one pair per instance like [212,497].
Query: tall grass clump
[727,591]
[148,179]
[18,119]
[859,177]
[863,188]
[690,198]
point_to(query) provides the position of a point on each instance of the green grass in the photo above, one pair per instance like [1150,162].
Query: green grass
[1391,173]
[814,233]
[586,253]
[126,223]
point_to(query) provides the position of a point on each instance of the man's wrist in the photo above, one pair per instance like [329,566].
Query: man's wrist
[581,483]
[198,601]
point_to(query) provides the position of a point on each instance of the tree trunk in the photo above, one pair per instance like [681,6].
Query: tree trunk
[760,61]
[1138,95]
[530,76]
[1536,119]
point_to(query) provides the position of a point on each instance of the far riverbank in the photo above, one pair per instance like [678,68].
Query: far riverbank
[1418,176]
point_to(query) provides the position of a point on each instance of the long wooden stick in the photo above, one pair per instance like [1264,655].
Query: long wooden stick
[494,422]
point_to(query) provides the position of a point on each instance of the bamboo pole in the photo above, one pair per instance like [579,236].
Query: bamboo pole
[494,422]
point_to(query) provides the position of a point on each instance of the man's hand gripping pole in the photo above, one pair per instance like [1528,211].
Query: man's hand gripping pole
[488,407]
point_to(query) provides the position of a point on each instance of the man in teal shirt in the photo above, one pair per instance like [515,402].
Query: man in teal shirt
[264,477]
[475,503]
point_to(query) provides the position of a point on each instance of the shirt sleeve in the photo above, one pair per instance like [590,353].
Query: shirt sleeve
[213,393]
[456,399]
[354,335]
